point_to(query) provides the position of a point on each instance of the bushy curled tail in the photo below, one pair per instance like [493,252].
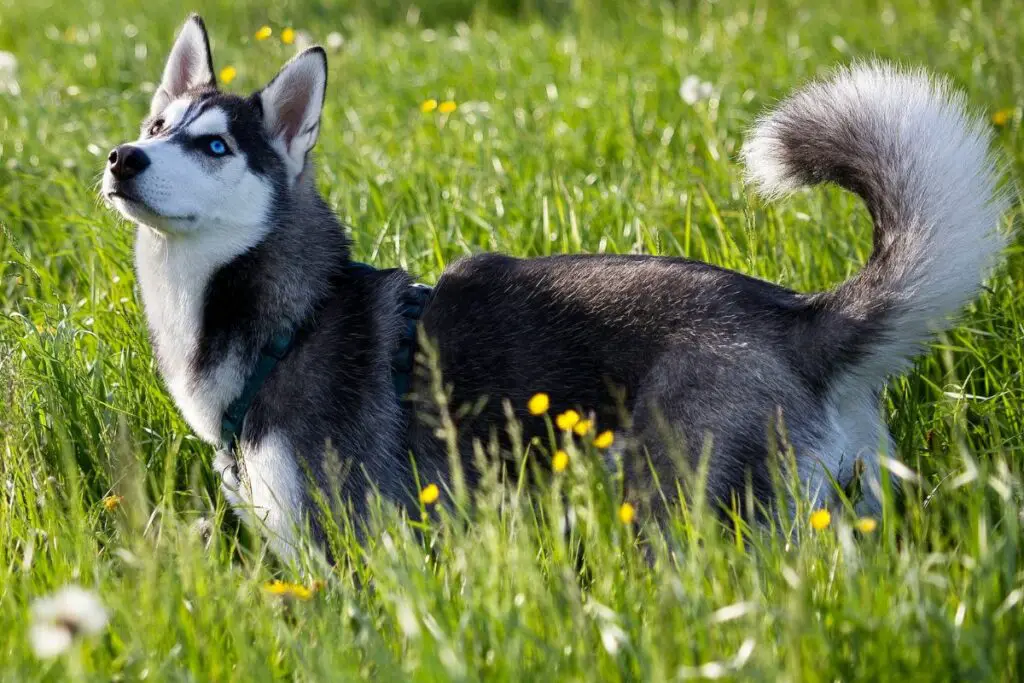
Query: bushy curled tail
[907,145]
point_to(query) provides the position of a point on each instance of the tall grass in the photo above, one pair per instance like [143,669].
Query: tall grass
[570,136]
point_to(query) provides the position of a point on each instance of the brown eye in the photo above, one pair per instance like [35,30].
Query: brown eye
[156,127]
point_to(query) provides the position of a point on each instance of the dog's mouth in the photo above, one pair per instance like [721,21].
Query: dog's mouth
[137,204]
[126,196]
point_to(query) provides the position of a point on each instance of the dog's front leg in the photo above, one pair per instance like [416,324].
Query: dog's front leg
[225,465]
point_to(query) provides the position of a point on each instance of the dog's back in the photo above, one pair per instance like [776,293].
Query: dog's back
[628,339]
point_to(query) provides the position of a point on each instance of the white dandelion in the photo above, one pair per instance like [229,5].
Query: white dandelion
[335,40]
[9,74]
[58,619]
[694,90]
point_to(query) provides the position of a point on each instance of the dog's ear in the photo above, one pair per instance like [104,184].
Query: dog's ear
[190,65]
[292,103]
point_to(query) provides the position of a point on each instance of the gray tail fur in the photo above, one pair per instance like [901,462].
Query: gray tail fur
[907,145]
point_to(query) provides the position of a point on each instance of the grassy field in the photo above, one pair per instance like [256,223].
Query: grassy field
[570,135]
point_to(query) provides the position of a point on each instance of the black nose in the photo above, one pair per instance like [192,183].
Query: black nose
[127,162]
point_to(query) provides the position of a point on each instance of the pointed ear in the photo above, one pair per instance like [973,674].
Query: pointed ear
[190,65]
[291,106]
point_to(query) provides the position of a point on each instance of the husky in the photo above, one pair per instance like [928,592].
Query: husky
[279,348]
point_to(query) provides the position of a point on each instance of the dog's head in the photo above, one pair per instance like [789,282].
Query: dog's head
[210,161]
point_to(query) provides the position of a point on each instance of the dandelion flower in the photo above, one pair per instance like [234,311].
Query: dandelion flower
[335,40]
[111,502]
[693,90]
[227,74]
[604,439]
[59,619]
[866,525]
[264,33]
[560,461]
[288,36]
[428,106]
[626,513]
[582,427]
[820,519]
[285,589]
[689,90]
[539,404]
[9,74]
[1002,117]
[430,494]
[567,420]
[447,107]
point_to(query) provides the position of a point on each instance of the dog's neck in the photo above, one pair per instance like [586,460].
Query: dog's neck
[212,303]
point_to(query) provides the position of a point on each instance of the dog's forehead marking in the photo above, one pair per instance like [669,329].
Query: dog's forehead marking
[183,111]
[174,111]
[212,121]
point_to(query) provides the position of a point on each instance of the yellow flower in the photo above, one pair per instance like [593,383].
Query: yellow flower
[582,427]
[227,74]
[604,439]
[820,519]
[866,525]
[567,420]
[111,502]
[538,404]
[430,494]
[428,106]
[288,36]
[626,513]
[288,590]
[560,461]
[447,107]
[1002,117]
[264,33]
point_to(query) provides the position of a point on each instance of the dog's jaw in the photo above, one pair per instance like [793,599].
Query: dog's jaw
[138,212]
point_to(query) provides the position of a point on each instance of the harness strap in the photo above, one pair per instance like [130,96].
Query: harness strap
[414,301]
[274,350]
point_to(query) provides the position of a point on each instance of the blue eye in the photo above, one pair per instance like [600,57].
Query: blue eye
[216,147]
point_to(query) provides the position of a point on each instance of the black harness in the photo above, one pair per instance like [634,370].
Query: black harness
[414,300]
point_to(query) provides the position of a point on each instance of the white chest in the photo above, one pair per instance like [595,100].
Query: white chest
[173,274]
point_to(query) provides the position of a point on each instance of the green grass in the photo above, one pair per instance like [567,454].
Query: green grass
[570,136]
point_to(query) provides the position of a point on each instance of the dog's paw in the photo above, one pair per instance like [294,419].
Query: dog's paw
[226,467]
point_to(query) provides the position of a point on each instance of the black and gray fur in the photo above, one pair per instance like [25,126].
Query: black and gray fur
[675,355]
